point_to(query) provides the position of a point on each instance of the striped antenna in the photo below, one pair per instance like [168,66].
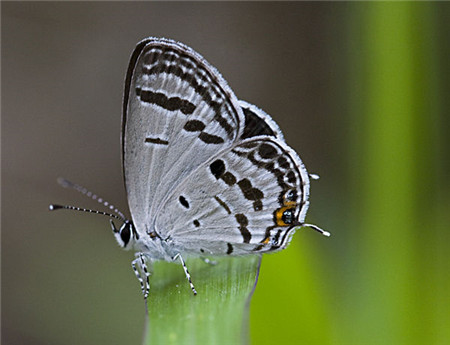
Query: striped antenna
[54,207]
[67,184]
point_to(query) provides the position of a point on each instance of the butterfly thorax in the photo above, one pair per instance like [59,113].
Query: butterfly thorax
[153,246]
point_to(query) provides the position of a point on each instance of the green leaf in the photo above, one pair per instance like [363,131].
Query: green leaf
[218,314]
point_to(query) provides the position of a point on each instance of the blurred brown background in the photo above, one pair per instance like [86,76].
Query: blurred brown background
[64,281]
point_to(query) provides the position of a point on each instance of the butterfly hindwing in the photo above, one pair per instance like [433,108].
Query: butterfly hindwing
[258,122]
[247,199]
[178,112]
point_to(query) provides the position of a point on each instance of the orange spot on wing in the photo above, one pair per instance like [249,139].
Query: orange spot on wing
[279,213]
[279,216]
[290,203]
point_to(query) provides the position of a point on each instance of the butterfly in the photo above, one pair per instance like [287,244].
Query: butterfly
[206,174]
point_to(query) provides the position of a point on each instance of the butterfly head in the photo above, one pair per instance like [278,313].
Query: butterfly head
[125,235]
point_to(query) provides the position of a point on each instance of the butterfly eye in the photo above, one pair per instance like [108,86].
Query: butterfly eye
[288,216]
[125,233]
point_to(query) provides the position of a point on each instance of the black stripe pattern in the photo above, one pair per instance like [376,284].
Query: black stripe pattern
[268,156]
[156,141]
[165,102]
[218,170]
[199,126]
[223,204]
[167,60]
[243,222]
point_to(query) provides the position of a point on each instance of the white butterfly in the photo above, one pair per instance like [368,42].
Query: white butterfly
[205,174]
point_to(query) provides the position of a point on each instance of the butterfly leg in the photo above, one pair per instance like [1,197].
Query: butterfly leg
[186,272]
[140,265]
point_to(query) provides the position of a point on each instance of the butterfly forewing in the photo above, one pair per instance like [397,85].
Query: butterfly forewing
[246,199]
[178,113]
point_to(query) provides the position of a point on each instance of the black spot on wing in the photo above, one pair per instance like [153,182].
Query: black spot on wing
[194,126]
[291,177]
[291,195]
[283,162]
[243,222]
[251,193]
[267,151]
[217,168]
[257,205]
[183,201]
[276,239]
[255,125]
[228,178]
[156,141]
[210,138]
[258,247]
[288,216]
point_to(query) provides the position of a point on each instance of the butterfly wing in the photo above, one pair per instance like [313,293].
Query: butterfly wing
[249,198]
[258,122]
[178,113]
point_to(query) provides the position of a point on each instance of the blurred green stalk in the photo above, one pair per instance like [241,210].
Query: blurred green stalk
[218,314]
[395,90]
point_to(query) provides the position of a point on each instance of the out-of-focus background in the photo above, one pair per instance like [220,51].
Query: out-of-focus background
[360,91]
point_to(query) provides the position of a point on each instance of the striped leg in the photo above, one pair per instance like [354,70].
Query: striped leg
[140,265]
[186,272]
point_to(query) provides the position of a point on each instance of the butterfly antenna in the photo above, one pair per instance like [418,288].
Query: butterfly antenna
[67,184]
[54,207]
[315,227]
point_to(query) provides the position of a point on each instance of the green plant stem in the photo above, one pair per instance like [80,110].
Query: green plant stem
[218,314]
